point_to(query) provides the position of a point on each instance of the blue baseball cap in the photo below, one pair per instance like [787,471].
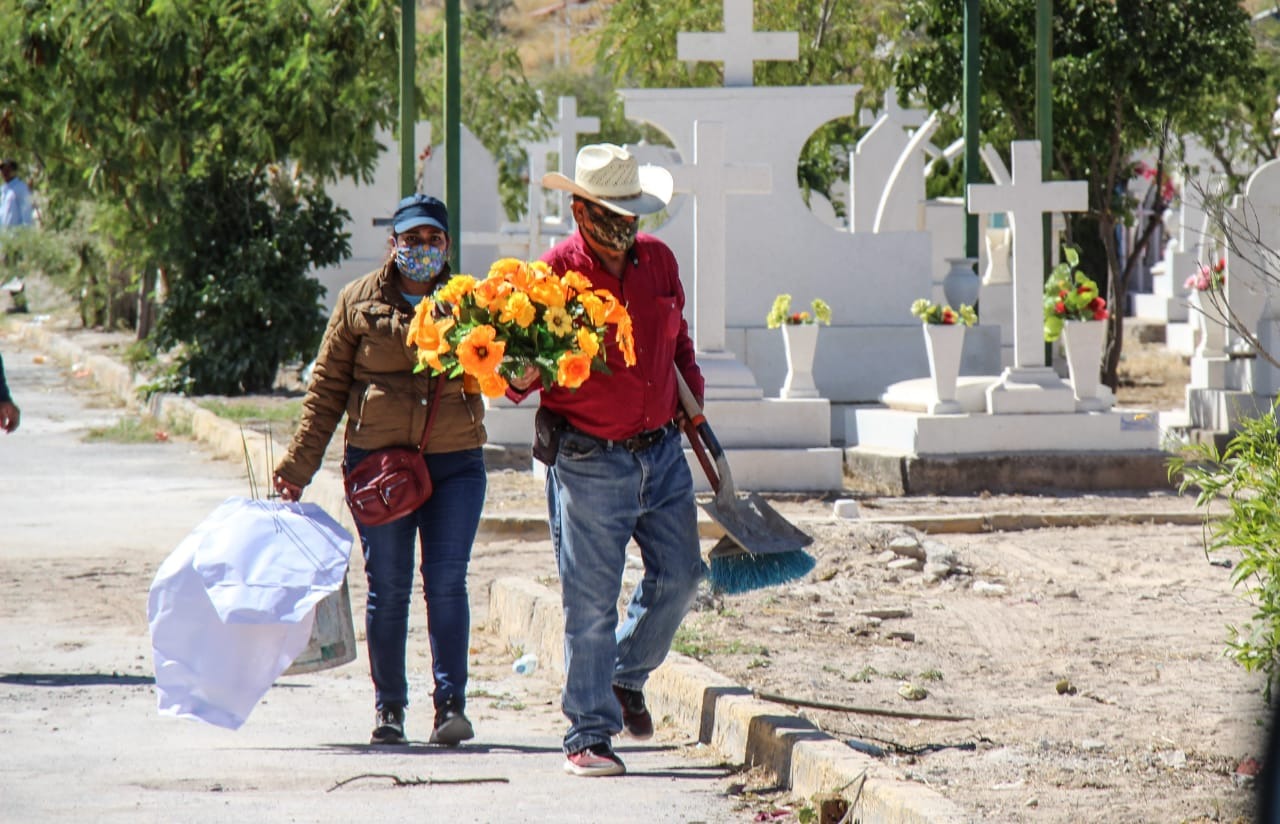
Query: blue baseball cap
[420,210]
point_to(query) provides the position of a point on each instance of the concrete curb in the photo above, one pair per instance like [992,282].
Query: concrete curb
[725,716]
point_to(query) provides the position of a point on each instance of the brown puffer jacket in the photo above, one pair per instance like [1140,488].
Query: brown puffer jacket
[365,369]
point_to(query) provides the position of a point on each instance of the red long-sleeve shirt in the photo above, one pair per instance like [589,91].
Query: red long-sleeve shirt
[638,398]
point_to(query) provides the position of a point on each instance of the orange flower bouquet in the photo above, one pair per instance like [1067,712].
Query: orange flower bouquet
[521,314]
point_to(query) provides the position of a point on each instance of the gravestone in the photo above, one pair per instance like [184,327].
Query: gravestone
[739,46]
[1028,385]
[371,206]
[1227,387]
[873,159]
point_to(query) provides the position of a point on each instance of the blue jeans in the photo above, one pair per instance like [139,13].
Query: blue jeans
[598,498]
[446,526]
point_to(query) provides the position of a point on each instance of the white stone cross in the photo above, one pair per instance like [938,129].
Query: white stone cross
[567,127]
[1025,199]
[906,118]
[739,46]
[709,178]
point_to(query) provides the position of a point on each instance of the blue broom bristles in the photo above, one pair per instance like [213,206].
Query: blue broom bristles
[741,572]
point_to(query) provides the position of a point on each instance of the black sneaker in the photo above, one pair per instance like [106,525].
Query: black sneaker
[452,727]
[635,715]
[594,760]
[388,726]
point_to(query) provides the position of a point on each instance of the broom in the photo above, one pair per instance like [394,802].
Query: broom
[760,548]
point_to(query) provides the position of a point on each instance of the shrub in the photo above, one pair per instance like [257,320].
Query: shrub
[1244,478]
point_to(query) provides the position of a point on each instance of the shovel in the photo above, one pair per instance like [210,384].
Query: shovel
[760,547]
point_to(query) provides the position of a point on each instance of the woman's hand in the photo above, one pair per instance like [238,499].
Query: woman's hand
[526,378]
[288,491]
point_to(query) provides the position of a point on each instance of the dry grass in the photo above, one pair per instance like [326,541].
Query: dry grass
[1150,375]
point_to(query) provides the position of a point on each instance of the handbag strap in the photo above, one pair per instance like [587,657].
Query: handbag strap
[432,407]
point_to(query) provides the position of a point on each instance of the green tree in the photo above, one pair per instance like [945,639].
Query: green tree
[840,42]
[1127,75]
[123,103]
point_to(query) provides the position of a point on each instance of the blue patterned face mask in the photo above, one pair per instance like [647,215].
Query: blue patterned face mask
[419,263]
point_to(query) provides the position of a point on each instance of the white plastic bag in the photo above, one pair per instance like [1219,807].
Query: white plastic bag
[233,605]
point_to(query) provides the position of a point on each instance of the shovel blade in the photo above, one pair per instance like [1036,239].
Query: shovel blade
[749,521]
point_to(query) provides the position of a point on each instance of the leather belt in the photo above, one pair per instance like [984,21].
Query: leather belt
[636,443]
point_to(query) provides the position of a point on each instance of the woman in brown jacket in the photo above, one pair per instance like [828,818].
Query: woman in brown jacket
[365,369]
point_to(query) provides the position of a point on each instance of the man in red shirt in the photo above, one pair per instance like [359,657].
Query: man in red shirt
[620,471]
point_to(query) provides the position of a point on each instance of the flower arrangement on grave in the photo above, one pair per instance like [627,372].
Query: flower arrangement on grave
[943,314]
[1069,294]
[780,313]
[1168,188]
[520,314]
[1210,278]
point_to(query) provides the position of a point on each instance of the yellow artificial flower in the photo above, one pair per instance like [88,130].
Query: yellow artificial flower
[558,321]
[479,352]
[594,307]
[588,343]
[573,369]
[520,309]
[458,287]
[507,268]
[548,291]
[576,281]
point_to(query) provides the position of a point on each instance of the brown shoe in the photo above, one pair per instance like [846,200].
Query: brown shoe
[635,715]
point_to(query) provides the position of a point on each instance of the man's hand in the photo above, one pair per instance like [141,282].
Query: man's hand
[526,378]
[8,416]
[288,491]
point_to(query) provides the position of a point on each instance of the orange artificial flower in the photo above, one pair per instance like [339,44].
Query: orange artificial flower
[490,292]
[430,337]
[573,369]
[520,309]
[626,343]
[479,352]
[612,309]
[588,343]
[493,385]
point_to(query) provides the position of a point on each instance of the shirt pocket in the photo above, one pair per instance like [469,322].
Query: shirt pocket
[668,311]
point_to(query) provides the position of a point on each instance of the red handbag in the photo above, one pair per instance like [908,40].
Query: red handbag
[390,483]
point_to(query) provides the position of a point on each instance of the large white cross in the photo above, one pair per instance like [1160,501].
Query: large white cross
[710,179]
[739,46]
[1025,199]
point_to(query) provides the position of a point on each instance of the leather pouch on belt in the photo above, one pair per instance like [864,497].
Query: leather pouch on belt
[547,426]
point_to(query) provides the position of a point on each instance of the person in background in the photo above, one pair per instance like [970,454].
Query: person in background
[15,197]
[9,414]
[365,369]
[620,472]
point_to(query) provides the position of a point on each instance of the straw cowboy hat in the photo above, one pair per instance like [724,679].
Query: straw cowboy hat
[609,175]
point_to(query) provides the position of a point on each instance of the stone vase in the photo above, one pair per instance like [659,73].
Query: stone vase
[961,283]
[1083,341]
[944,343]
[801,341]
[1211,334]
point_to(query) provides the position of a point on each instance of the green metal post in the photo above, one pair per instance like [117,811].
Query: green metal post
[408,115]
[972,127]
[1044,107]
[1044,124]
[452,124]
